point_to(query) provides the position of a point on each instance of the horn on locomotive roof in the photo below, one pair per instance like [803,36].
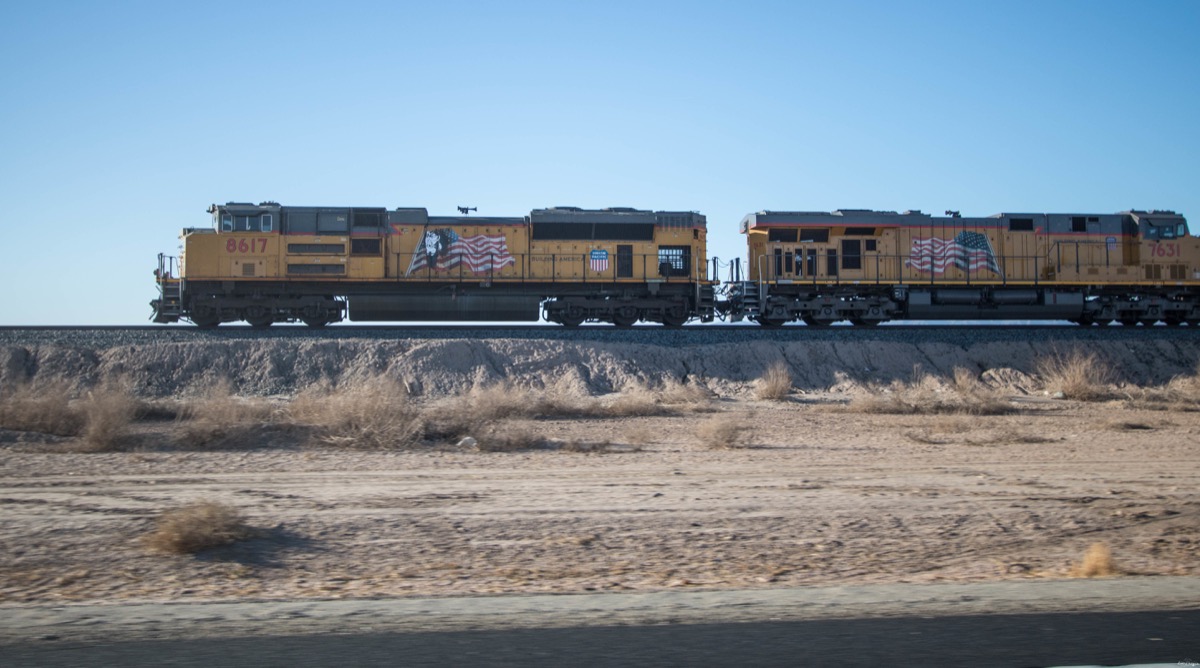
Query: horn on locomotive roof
[953,214]
[466,210]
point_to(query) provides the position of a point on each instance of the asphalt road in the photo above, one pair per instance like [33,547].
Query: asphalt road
[976,640]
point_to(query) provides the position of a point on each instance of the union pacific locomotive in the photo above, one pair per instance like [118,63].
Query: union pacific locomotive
[269,263]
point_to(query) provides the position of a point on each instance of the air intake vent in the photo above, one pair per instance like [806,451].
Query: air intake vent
[247,269]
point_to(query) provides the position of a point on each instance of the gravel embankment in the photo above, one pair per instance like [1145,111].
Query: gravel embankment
[437,361]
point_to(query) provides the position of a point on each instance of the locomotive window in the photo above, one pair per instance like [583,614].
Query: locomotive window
[1020,225]
[674,260]
[226,223]
[267,222]
[860,231]
[869,245]
[364,246]
[851,254]
[1078,224]
[814,236]
[831,262]
[782,235]
[241,223]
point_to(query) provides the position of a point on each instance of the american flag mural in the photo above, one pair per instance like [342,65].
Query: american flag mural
[969,251]
[444,249]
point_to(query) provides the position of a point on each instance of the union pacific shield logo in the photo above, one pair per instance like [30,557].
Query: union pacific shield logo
[599,260]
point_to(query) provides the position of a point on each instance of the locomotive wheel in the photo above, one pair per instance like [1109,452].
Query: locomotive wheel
[205,317]
[316,323]
[864,322]
[260,323]
[624,321]
[675,316]
[625,316]
[813,321]
[769,322]
[572,317]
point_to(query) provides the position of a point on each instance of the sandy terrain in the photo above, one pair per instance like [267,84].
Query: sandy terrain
[820,496]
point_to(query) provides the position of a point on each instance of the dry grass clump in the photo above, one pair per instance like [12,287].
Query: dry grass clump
[376,415]
[775,384]
[101,417]
[723,433]
[107,413]
[1097,563]
[219,404]
[1181,393]
[670,398]
[1077,375]
[505,400]
[197,527]
[219,418]
[43,408]
[509,440]
[926,395]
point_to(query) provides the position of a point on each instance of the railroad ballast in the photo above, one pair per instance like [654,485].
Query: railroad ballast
[267,263]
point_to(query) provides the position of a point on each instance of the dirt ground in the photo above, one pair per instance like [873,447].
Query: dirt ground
[818,495]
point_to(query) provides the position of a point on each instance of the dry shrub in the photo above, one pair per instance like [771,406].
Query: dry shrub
[509,440]
[675,393]
[505,401]
[722,432]
[671,398]
[376,414]
[107,411]
[775,384]
[1077,375]
[1181,393]
[44,408]
[219,404]
[926,395]
[196,527]
[1097,562]
[219,418]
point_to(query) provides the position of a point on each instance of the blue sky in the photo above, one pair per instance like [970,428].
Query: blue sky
[122,121]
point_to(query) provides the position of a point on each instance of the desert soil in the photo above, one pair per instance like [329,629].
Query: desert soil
[820,495]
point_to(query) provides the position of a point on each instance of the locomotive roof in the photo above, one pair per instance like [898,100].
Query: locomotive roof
[867,217]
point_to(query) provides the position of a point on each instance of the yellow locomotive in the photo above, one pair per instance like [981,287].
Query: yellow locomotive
[267,263]
[871,266]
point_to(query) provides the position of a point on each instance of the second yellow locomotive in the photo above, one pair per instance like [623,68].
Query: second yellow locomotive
[872,266]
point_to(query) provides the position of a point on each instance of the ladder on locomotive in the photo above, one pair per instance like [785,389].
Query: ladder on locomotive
[169,305]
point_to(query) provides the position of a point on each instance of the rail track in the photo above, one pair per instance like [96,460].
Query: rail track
[107,336]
